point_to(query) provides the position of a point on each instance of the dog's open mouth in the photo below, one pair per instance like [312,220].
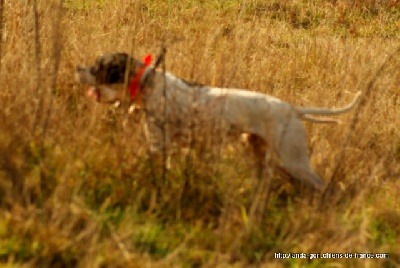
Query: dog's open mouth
[105,93]
[93,93]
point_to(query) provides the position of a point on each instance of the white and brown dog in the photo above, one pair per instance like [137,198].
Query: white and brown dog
[268,120]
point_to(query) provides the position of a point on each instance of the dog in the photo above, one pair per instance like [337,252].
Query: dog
[270,122]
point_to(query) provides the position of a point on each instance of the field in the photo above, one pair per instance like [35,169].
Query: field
[77,185]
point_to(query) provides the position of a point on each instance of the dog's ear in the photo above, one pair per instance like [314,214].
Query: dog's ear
[110,68]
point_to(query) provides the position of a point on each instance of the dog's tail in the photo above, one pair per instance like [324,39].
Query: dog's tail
[313,119]
[303,111]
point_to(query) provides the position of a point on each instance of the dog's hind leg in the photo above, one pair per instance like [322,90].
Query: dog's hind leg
[291,147]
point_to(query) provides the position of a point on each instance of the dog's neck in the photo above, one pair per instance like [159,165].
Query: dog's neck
[140,78]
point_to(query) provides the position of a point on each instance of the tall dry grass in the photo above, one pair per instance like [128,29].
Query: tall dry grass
[77,187]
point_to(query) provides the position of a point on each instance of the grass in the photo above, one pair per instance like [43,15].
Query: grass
[77,188]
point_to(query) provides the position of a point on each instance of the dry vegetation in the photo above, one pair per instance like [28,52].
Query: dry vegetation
[78,189]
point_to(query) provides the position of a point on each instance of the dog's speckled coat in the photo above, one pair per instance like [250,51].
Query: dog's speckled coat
[273,121]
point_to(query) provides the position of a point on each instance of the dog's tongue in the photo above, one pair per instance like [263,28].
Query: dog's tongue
[92,93]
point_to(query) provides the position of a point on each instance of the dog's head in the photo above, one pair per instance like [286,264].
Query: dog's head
[107,76]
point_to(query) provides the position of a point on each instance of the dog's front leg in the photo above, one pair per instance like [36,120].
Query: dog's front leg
[157,140]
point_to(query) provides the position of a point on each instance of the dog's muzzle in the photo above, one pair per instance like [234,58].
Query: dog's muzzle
[84,76]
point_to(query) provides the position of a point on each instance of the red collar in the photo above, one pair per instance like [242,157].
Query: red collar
[134,86]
